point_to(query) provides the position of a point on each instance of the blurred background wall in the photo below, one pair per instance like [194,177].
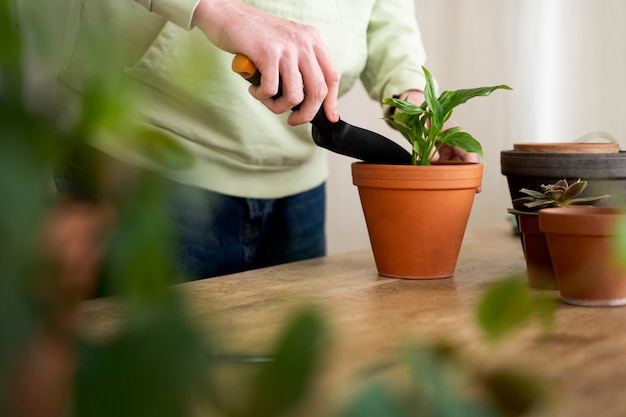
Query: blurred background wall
[565,59]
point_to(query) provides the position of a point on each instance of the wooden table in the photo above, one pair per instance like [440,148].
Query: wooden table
[584,359]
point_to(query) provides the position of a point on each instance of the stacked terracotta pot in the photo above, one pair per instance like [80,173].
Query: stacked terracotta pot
[581,249]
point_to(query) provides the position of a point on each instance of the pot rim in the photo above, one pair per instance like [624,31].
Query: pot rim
[581,220]
[567,147]
[448,175]
[563,165]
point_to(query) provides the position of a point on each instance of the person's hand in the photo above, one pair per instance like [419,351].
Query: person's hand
[445,152]
[282,50]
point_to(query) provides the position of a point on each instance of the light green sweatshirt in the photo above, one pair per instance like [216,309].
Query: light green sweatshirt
[240,148]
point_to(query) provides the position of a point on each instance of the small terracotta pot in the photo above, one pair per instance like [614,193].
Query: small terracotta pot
[588,267]
[538,263]
[416,215]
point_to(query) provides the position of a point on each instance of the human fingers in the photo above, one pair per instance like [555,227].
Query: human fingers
[290,91]
[270,83]
[292,57]
[304,88]
[332,76]
[451,153]
[315,91]
[306,84]
[320,78]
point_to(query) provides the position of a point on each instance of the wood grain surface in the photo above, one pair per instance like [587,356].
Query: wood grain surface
[583,359]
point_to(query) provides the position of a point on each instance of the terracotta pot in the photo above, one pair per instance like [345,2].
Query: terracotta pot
[583,247]
[535,246]
[416,215]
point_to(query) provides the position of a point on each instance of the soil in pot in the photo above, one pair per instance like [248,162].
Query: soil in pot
[583,244]
[416,215]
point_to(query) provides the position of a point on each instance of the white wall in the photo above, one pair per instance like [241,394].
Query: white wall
[565,59]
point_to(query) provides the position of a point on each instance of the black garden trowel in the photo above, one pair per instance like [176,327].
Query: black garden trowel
[339,137]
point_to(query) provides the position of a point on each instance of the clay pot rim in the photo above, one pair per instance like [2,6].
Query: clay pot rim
[511,154]
[563,165]
[581,220]
[449,175]
[567,147]
[437,165]
[361,168]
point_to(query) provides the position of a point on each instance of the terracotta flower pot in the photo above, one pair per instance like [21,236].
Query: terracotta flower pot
[538,263]
[416,215]
[588,267]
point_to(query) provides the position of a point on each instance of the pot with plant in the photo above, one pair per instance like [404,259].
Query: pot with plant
[416,214]
[526,209]
[587,247]
[602,165]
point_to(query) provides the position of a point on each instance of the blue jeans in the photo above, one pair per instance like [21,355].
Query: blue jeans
[219,234]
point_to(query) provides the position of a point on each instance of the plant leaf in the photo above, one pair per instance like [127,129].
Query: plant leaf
[619,248]
[404,106]
[450,99]
[411,121]
[555,195]
[587,200]
[374,401]
[515,393]
[462,140]
[539,204]
[162,149]
[285,381]
[574,190]
[406,131]
[532,193]
[505,307]
[436,123]
[522,200]
[123,378]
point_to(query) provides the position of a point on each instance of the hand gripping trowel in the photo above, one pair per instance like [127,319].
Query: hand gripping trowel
[339,137]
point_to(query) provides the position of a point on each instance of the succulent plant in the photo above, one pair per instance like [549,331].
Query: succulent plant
[559,194]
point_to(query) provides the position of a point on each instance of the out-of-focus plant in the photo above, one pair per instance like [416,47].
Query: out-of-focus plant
[156,362]
[38,297]
[436,379]
[508,305]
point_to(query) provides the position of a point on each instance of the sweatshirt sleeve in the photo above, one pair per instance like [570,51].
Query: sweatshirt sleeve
[395,50]
[179,12]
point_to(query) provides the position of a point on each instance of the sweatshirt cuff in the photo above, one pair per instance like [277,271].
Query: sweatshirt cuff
[179,12]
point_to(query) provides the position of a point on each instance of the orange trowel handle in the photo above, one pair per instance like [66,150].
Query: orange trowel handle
[243,66]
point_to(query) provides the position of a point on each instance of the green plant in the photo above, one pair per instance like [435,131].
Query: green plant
[509,305]
[423,125]
[156,361]
[559,194]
